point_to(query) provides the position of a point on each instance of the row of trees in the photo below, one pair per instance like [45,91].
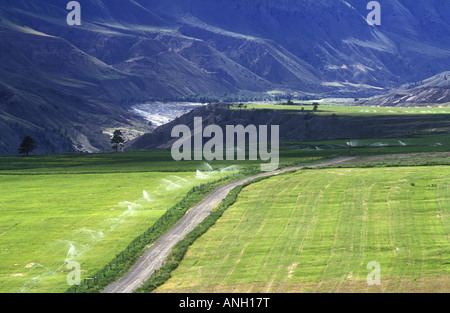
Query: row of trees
[28,144]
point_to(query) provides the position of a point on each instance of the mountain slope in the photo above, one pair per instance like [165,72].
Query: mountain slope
[53,91]
[434,90]
[333,36]
[69,86]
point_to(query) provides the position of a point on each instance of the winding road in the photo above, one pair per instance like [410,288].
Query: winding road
[154,257]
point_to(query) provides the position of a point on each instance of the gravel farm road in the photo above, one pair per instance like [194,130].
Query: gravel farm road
[154,257]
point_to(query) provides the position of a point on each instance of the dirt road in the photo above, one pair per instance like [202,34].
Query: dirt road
[154,257]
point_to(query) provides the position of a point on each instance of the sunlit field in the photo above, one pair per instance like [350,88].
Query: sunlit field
[84,208]
[87,208]
[317,230]
[332,108]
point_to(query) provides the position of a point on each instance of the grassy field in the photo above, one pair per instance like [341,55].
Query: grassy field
[420,142]
[87,208]
[317,230]
[50,218]
[420,136]
[329,108]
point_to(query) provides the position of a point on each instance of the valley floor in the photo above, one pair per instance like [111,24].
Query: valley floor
[317,230]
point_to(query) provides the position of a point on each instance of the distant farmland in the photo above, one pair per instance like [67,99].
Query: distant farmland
[331,108]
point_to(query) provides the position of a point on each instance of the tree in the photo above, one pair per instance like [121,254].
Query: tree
[117,140]
[27,146]
[316,107]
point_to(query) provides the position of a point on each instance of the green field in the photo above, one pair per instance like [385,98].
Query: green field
[87,208]
[316,231]
[50,218]
[330,108]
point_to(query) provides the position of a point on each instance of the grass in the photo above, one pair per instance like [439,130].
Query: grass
[419,142]
[129,162]
[176,255]
[44,216]
[418,135]
[76,207]
[394,160]
[317,230]
[359,111]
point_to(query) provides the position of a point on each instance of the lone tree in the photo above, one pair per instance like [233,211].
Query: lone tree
[117,140]
[27,146]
